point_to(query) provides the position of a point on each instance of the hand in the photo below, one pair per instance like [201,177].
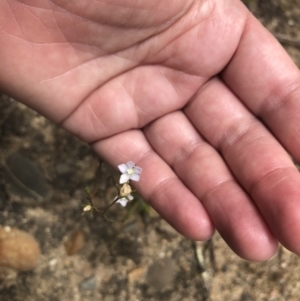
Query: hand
[197,93]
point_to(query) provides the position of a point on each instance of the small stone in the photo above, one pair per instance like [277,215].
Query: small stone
[63,168]
[27,176]
[291,22]
[75,242]
[88,283]
[18,250]
[136,275]
[161,273]
[52,264]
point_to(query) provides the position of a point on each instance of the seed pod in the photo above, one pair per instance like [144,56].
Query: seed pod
[125,190]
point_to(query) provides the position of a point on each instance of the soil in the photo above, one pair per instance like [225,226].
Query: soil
[44,171]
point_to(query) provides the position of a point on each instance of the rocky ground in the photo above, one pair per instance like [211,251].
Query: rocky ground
[83,258]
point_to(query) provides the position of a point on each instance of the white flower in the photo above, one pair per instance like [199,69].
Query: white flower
[129,172]
[124,201]
[87,208]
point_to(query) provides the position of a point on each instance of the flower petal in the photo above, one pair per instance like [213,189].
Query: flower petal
[124,178]
[122,201]
[122,168]
[137,170]
[130,197]
[130,164]
[135,177]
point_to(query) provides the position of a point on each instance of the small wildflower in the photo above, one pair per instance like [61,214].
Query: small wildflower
[87,208]
[124,201]
[129,172]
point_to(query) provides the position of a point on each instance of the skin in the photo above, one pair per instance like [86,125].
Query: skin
[197,93]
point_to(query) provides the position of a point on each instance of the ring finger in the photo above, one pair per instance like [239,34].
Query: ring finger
[203,170]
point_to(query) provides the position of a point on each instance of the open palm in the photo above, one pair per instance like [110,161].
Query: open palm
[197,93]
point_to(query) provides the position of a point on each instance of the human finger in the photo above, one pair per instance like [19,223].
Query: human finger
[203,170]
[257,160]
[131,100]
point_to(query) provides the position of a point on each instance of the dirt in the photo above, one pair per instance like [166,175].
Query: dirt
[44,171]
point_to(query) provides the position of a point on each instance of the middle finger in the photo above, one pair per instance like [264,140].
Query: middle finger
[202,169]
